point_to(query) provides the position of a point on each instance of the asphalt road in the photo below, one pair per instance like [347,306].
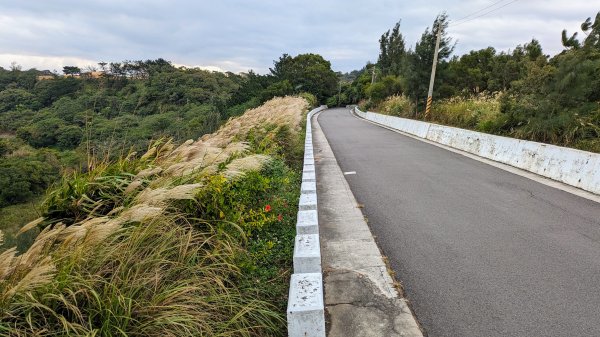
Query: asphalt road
[480,251]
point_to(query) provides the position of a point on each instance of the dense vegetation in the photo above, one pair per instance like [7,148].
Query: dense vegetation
[53,126]
[187,240]
[522,93]
[139,236]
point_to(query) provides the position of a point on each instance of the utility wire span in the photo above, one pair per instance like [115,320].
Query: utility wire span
[457,23]
[479,11]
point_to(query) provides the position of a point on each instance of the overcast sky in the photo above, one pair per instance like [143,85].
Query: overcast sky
[237,35]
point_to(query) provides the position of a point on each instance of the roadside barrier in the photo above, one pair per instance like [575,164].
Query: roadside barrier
[306,308]
[570,166]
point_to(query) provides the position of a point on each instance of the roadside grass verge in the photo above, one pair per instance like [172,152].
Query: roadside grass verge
[483,113]
[195,239]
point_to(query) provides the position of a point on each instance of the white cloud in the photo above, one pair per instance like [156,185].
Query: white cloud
[44,62]
[235,35]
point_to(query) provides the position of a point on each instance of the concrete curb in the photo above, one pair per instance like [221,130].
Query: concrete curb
[572,167]
[306,309]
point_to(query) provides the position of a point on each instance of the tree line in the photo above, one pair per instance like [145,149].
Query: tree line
[53,126]
[542,98]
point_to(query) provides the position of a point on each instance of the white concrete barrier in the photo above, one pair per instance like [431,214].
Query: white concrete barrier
[307,222]
[308,187]
[307,201]
[308,167]
[570,166]
[309,176]
[307,254]
[306,309]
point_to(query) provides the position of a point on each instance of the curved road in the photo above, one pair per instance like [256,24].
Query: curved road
[480,251]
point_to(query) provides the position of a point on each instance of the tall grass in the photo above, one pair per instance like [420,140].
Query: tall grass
[484,113]
[169,277]
[477,113]
[175,242]
[397,105]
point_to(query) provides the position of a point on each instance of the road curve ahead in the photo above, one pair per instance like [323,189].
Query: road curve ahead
[480,251]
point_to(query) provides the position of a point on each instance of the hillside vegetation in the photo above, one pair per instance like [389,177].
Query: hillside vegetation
[521,93]
[190,239]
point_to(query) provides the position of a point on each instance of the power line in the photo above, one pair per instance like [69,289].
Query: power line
[479,11]
[486,13]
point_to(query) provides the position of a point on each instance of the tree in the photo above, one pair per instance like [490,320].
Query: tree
[592,31]
[13,98]
[307,72]
[71,70]
[392,51]
[421,59]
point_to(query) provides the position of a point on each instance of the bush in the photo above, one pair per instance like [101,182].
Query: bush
[400,106]
[24,177]
[310,98]
[477,113]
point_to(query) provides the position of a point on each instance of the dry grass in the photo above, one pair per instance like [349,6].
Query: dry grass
[117,254]
[396,105]
[278,111]
[471,113]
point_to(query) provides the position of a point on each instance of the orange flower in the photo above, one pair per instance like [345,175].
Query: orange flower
[279,217]
[268,208]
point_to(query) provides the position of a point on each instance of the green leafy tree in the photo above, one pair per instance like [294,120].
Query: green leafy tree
[307,72]
[13,98]
[392,51]
[71,70]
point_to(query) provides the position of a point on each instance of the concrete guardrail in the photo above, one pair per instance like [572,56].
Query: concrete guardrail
[570,166]
[306,308]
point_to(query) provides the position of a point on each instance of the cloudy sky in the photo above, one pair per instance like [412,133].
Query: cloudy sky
[237,35]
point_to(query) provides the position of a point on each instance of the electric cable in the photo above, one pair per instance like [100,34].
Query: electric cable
[478,16]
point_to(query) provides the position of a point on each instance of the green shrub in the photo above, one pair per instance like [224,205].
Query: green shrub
[400,106]
[310,98]
[470,113]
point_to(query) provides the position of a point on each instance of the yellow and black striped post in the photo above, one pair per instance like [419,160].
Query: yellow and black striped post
[428,107]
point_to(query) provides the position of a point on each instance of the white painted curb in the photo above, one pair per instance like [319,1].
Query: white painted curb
[573,167]
[306,308]
[307,254]
[307,222]
[309,176]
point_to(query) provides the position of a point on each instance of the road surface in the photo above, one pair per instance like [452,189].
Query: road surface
[479,251]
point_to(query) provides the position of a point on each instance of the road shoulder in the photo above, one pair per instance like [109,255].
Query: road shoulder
[360,298]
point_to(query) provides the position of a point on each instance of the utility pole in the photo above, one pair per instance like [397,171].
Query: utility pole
[339,91]
[435,60]
[373,75]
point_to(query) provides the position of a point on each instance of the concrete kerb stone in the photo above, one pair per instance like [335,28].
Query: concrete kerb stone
[306,309]
[307,254]
[309,167]
[307,222]
[308,187]
[309,176]
[308,201]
